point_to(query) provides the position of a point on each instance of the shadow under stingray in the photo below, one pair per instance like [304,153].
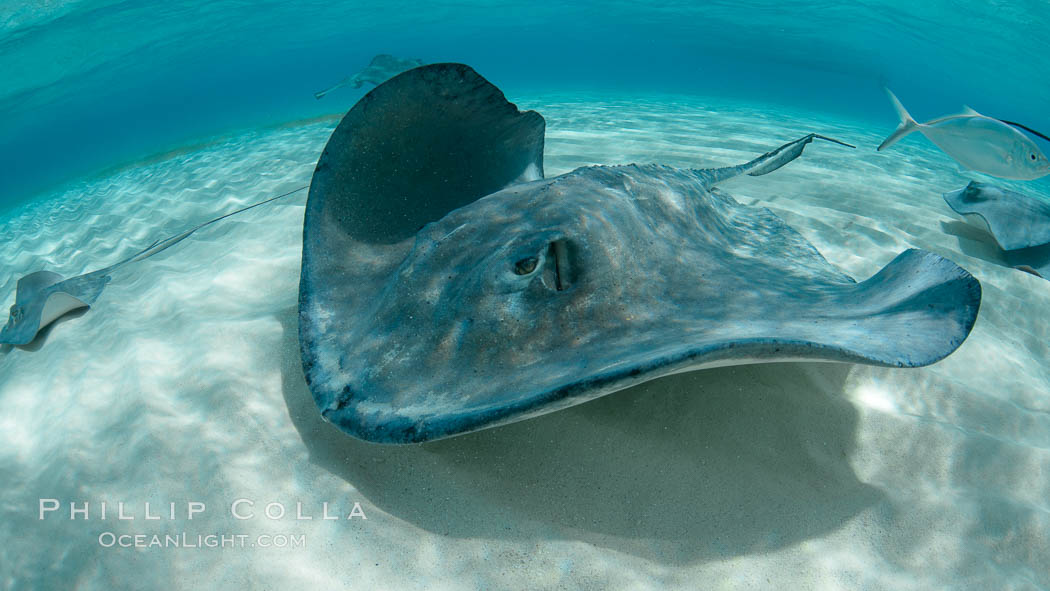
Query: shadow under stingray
[975,242]
[690,467]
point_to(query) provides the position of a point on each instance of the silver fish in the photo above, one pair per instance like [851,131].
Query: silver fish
[977,142]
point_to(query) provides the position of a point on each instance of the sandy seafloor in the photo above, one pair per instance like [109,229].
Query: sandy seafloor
[184,384]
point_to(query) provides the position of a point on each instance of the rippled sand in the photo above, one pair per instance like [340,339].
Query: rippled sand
[183,384]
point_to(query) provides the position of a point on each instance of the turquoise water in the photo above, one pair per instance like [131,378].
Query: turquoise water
[91,83]
[184,383]
[123,122]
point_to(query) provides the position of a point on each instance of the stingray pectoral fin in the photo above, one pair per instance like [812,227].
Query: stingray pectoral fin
[29,317]
[1016,220]
[416,147]
[31,296]
[916,311]
[59,304]
[35,283]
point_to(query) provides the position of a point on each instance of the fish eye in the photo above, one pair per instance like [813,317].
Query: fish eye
[525,266]
[1033,156]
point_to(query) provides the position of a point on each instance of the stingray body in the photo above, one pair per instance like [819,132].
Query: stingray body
[382,68]
[45,296]
[1019,223]
[447,286]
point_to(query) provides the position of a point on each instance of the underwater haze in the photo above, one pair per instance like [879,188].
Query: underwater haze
[181,399]
[90,83]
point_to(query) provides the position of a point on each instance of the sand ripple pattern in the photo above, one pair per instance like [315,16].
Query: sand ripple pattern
[184,384]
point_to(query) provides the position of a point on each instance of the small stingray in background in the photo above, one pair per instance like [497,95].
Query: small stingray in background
[447,286]
[1019,223]
[382,68]
[44,296]
[978,143]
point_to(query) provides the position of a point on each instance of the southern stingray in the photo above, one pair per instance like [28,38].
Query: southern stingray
[1019,223]
[447,286]
[44,296]
[381,68]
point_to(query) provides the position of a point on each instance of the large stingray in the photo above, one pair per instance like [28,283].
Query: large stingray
[42,297]
[447,286]
[380,69]
[1019,223]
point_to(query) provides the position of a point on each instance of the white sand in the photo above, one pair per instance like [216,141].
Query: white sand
[183,384]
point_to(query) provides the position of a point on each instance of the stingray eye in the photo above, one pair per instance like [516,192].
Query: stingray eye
[525,266]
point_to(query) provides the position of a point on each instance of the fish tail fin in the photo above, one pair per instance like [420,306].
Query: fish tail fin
[906,126]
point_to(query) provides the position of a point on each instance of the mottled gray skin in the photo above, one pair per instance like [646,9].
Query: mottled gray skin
[36,291]
[551,292]
[382,68]
[1019,223]
[1014,219]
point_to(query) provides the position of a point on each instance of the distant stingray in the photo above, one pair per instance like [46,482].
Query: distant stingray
[44,296]
[447,286]
[382,68]
[1019,223]
[978,143]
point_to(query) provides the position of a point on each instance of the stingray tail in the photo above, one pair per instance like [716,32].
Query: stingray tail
[766,163]
[906,126]
[348,80]
[163,244]
[320,94]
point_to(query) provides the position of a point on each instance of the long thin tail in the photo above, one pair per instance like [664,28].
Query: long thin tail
[164,244]
[766,163]
[320,94]
[906,126]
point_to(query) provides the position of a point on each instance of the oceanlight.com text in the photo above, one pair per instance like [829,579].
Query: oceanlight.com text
[185,540]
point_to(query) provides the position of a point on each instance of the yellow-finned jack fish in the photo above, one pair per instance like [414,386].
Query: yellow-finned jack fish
[978,143]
